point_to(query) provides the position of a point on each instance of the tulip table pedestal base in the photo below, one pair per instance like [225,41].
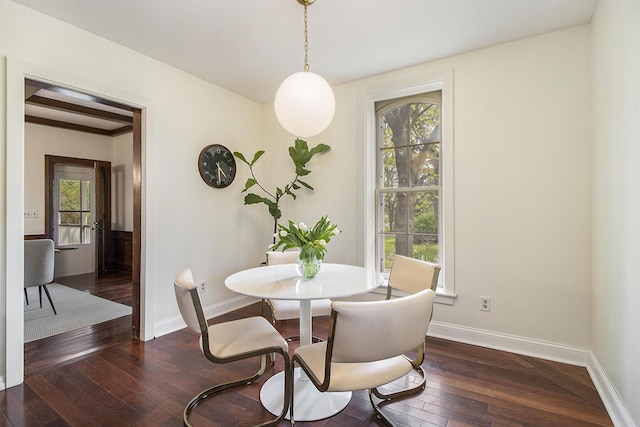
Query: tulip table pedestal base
[309,403]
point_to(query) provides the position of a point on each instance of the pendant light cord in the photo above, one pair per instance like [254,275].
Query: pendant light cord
[306,39]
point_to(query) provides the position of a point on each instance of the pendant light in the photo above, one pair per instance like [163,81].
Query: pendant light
[304,102]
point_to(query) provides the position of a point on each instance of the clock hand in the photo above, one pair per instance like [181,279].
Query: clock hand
[220,171]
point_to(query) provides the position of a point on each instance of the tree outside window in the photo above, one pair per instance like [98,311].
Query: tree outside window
[74,212]
[409,185]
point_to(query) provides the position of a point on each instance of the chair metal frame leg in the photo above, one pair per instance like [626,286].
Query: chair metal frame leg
[210,392]
[263,353]
[46,291]
[405,392]
[391,397]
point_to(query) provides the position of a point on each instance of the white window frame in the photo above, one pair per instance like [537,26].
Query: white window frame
[442,80]
[78,173]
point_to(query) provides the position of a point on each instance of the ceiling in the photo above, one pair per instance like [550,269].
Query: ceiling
[249,47]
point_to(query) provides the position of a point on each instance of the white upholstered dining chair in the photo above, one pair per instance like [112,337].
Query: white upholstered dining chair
[407,276]
[251,337]
[370,344]
[411,275]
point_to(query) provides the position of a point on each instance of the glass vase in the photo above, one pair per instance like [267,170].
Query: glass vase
[308,267]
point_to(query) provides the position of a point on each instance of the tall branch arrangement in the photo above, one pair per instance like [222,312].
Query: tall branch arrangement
[300,155]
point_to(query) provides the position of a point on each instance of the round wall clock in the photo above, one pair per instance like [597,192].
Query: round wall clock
[217,166]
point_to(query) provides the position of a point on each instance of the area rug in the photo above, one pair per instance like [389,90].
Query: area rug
[76,309]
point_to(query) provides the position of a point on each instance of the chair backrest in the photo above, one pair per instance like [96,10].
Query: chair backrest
[279,257]
[377,330]
[413,275]
[39,262]
[189,301]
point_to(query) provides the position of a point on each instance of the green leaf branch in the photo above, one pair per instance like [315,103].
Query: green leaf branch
[300,155]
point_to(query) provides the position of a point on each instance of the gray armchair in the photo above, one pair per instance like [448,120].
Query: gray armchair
[39,267]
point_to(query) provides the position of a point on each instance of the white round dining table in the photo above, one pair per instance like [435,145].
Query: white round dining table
[282,281]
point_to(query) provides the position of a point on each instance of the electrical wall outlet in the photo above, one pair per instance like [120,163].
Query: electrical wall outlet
[31,214]
[201,287]
[485,303]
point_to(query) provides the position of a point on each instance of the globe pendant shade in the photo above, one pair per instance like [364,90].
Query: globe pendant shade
[304,104]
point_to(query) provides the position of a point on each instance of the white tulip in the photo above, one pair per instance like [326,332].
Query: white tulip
[302,226]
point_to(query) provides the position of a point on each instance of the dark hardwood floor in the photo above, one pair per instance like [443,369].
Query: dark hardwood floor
[115,286]
[115,381]
[65,347]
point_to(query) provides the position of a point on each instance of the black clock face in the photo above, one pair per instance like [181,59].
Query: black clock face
[217,165]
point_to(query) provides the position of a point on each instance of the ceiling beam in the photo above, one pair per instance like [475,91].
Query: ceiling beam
[65,125]
[121,131]
[78,109]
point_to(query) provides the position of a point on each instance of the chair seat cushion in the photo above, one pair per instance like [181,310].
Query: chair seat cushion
[353,376]
[242,336]
[290,309]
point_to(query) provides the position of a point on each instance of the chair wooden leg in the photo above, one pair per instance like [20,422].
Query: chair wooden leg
[50,301]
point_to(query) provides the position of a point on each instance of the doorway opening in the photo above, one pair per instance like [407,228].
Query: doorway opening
[113,253]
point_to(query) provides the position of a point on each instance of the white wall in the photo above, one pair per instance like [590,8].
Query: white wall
[185,222]
[522,196]
[616,198]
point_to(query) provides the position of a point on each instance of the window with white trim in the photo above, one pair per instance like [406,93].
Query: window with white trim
[409,174]
[409,185]
[408,170]
[73,200]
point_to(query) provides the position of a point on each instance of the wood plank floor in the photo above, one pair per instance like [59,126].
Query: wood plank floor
[115,381]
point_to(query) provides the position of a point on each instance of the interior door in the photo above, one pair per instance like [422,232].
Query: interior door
[74,206]
[99,222]
[102,220]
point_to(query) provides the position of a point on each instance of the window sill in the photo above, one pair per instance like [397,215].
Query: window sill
[441,296]
[444,298]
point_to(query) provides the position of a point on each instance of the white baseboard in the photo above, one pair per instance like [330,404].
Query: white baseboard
[175,324]
[511,343]
[543,350]
[615,406]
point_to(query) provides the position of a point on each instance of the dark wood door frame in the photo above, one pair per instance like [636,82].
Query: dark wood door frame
[102,221]
[136,258]
[102,208]
[136,128]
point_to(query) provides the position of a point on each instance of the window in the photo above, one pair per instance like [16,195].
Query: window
[73,195]
[408,170]
[408,190]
